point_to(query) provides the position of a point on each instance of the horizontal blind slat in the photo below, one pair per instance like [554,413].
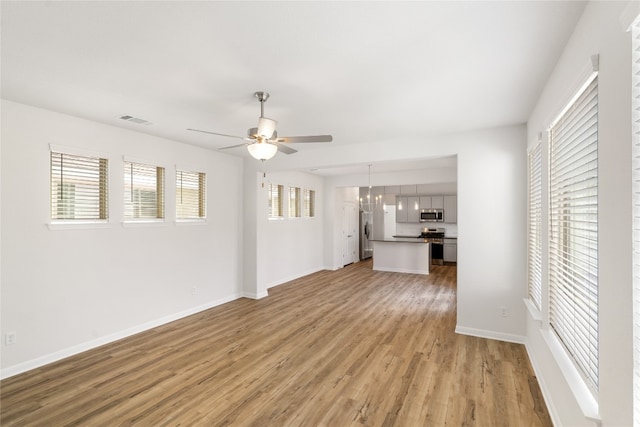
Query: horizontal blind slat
[190,195]
[636,212]
[573,228]
[143,191]
[534,224]
[79,187]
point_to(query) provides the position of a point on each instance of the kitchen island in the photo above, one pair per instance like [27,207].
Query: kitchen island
[402,255]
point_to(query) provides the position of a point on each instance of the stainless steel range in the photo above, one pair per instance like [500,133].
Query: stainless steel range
[435,236]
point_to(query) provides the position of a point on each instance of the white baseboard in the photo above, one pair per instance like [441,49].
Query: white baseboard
[482,333]
[253,295]
[553,412]
[292,277]
[76,349]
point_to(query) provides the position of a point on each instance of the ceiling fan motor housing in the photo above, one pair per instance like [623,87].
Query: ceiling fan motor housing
[253,133]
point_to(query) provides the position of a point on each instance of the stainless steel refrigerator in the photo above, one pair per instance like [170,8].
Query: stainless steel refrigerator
[366,233]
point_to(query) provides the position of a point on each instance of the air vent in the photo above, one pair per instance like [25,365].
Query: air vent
[135,120]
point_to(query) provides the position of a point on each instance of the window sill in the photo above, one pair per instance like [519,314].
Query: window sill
[533,311]
[181,222]
[581,392]
[144,223]
[78,225]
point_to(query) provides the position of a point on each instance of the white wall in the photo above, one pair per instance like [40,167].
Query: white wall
[64,291]
[294,244]
[439,179]
[278,251]
[599,31]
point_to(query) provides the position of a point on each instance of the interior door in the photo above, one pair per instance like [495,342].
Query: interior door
[349,233]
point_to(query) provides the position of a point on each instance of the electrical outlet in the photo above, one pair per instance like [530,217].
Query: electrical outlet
[503,311]
[10,338]
[194,290]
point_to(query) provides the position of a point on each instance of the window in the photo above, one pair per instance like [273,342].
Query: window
[294,202]
[309,203]
[79,189]
[276,193]
[143,191]
[534,226]
[190,195]
[635,118]
[573,239]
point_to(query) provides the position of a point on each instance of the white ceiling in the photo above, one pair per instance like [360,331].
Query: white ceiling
[361,71]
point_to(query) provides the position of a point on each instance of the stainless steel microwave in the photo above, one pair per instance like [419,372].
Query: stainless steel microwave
[432,215]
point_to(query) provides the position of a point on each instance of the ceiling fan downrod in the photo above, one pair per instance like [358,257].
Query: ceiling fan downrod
[262,97]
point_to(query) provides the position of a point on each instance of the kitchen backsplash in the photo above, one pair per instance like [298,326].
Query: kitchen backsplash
[412,229]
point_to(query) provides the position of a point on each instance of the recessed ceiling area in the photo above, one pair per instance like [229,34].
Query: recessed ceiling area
[363,72]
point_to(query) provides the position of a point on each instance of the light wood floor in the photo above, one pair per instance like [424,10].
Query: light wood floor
[347,348]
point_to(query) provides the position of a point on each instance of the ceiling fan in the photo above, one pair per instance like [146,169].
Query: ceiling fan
[263,141]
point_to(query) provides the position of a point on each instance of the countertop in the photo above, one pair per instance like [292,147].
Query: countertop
[401,239]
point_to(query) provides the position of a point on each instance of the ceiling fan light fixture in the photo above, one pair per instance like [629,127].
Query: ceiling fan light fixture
[266,127]
[262,150]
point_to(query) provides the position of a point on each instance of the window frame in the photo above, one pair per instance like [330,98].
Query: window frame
[160,192]
[202,195]
[280,201]
[562,247]
[294,198]
[311,211]
[103,170]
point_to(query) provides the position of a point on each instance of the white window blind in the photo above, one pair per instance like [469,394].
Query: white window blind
[79,187]
[190,195]
[636,216]
[294,202]
[309,202]
[276,193]
[573,240]
[143,191]
[534,226]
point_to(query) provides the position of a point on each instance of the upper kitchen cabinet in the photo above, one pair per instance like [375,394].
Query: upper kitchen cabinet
[431,202]
[450,209]
[437,202]
[413,209]
[402,209]
[425,202]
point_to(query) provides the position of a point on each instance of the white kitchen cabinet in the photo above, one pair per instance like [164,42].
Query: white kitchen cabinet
[450,209]
[389,199]
[425,202]
[413,209]
[401,209]
[437,202]
[431,202]
[450,250]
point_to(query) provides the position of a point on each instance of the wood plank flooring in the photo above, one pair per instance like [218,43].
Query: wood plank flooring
[354,347]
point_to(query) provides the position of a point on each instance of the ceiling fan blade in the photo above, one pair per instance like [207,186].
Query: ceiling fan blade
[216,133]
[234,146]
[309,138]
[285,149]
